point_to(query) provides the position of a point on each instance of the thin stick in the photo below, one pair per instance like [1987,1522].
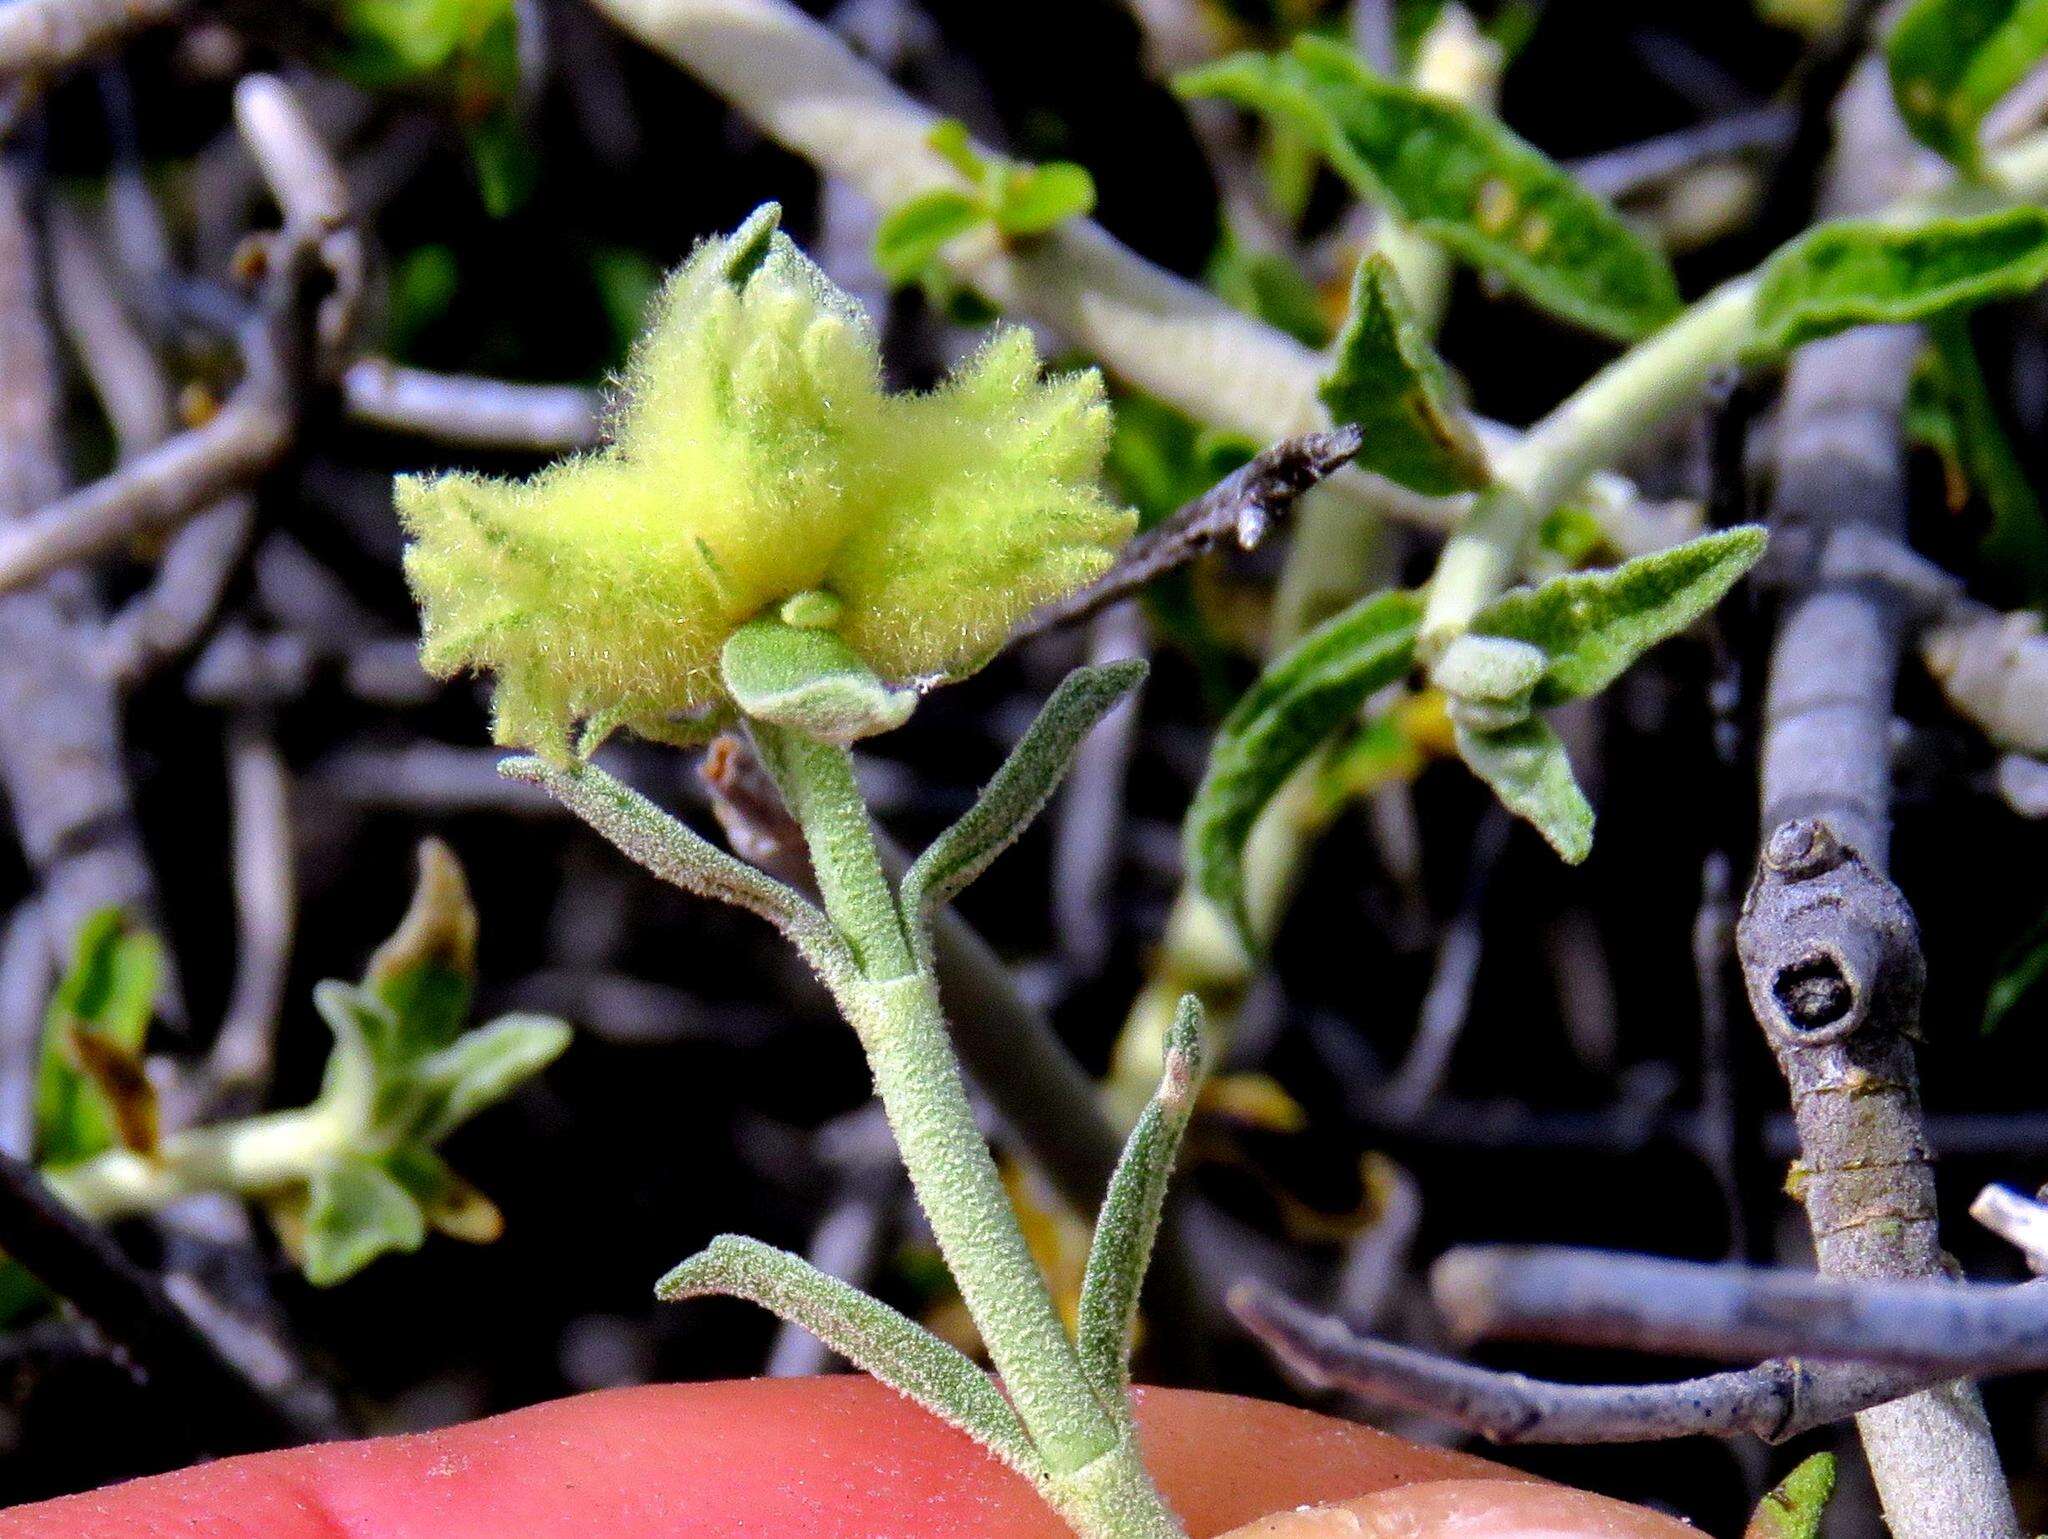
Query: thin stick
[78,1261]
[266,912]
[1774,1401]
[471,413]
[1710,1309]
[1241,507]
[1830,953]
[255,426]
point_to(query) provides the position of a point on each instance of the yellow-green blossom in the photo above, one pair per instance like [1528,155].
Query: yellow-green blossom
[757,455]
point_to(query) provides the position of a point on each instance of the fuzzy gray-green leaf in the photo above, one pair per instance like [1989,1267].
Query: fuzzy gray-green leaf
[1462,179]
[866,1332]
[1793,1508]
[680,856]
[1857,274]
[1389,380]
[1022,787]
[1593,625]
[1302,698]
[1527,768]
[1129,1221]
[1951,61]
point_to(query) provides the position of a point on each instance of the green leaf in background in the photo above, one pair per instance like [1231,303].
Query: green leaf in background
[355,1211]
[505,159]
[467,48]
[1856,274]
[450,1204]
[1527,768]
[1019,200]
[2019,971]
[480,1068]
[426,971]
[1389,380]
[910,236]
[626,282]
[1296,705]
[950,138]
[1951,61]
[97,1019]
[1268,286]
[1793,1508]
[866,1332]
[1031,200]
[1592,625]
[2016,543]
[1461,178]
[423,285]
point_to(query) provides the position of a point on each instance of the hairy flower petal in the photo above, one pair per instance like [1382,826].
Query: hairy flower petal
[757,454]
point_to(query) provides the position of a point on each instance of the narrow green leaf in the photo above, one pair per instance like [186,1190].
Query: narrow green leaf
[355,1212]
[1389,380]
[1462,179]
[1300,700]
[1951,61]
[1034,199]
[1129,1222]
[911,235]
[1793,1508]
[1857,274]
[2016,542]
[679,855]
[866,1332]
[1020,789]
[106,995]
[809,680]
[1593,625]
[1527,768]
[481,1068]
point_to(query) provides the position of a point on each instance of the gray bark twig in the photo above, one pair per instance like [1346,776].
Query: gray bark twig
[1829,950]
[280,344]
[77,1260]
[1710,1309]
[471,413]
[60,758]
[1240,507]
[1774,1401]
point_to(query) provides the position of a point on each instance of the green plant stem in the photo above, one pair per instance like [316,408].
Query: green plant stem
[247,1157]
[1330,558]
[1096,1475]
[1646,385]
[1587,433]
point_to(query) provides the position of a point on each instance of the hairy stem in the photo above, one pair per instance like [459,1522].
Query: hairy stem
[893,1005]
[1589,432]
